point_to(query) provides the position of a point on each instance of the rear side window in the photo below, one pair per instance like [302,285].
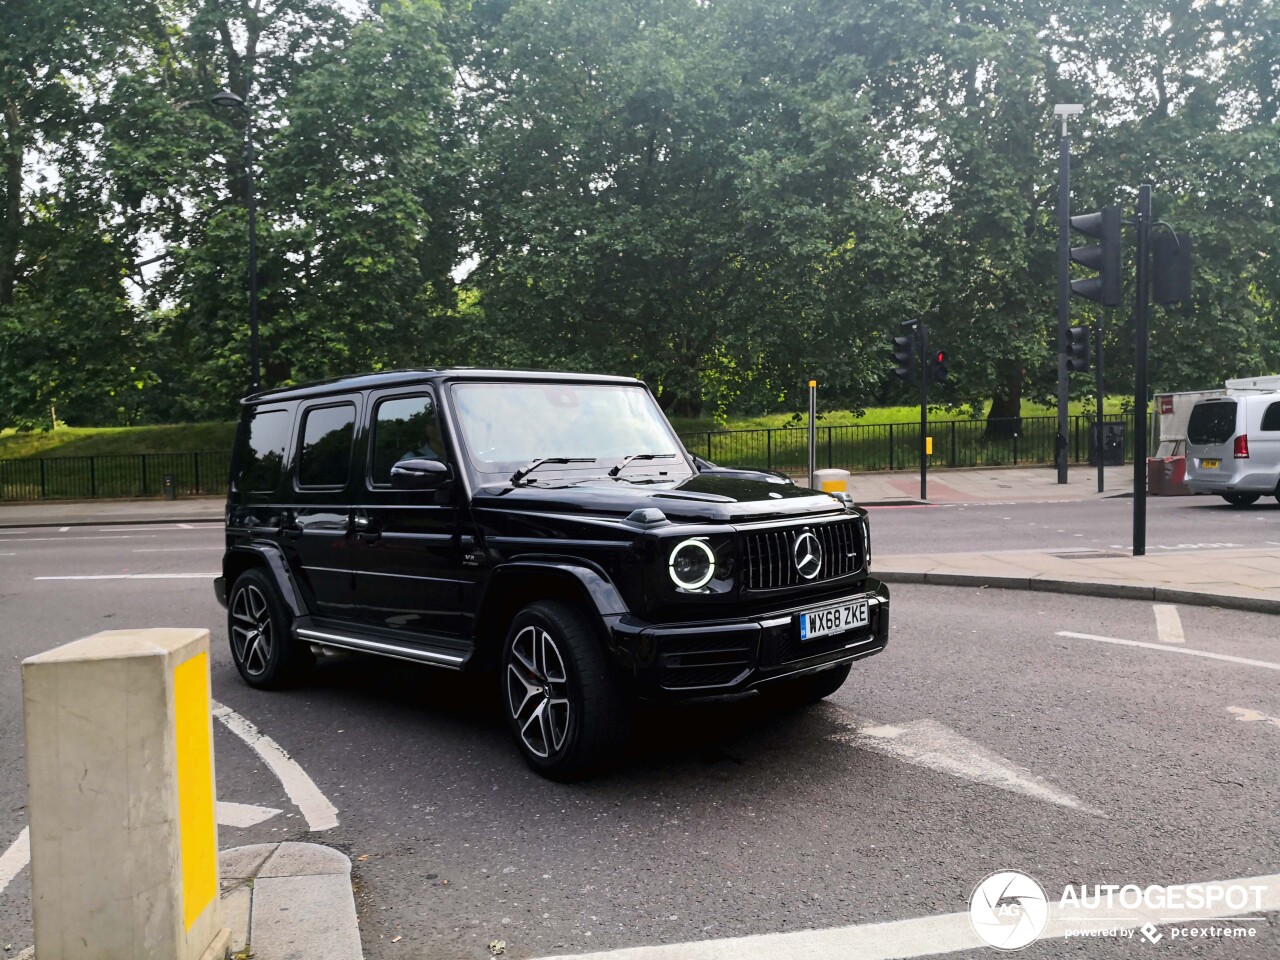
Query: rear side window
[1271,419]
[404,428]
[260,447]
[324,459]
[1212,422]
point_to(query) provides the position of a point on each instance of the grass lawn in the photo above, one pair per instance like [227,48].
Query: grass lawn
[108,441]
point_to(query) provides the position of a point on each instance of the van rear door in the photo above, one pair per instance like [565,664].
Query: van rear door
[1211,432]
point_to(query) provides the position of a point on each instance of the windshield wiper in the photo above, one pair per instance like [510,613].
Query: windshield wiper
[525,471]
[638,456]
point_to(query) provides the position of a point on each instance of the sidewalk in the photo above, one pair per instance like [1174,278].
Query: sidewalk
[73,513]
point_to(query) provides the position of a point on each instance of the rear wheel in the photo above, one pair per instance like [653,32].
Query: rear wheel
[569,713]
[1241,499]
[258,626]
[811,687]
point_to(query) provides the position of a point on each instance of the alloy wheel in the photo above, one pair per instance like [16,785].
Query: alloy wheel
[252,640]
[538,691]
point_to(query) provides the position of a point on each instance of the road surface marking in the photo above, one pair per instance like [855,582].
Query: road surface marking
[927,743]
[1253,716]
[63,529]
[216,546]
[123,536]
[8,554]
[229,814]
[1168,623]
[1168,649]
[15,858]
[243,814]
[320,814]
[185,526]
[926,936]
[137,576]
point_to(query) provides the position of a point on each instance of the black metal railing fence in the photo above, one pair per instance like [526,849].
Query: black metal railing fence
[121,475]
[896,446]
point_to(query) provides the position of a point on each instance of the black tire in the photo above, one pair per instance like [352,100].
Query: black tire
[810,687]
[1241,499]
[569,713]
[258,630]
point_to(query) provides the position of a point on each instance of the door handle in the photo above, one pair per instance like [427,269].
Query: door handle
[364,527]
[290,529]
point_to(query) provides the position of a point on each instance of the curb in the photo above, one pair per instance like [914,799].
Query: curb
[289,901]
[1094,588]
[115,522]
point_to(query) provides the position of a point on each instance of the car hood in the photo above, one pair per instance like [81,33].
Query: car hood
[704,497]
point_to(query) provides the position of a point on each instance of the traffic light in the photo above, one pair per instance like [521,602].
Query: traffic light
[1078,349]
[1170,267]
[904,357]
[938,365]
[1104,256]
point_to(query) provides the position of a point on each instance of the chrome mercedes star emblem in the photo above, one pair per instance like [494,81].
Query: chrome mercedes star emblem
[807,554]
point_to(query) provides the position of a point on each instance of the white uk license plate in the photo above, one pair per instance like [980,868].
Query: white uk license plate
[833,619]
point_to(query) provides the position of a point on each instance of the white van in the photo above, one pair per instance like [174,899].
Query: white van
[1233,447]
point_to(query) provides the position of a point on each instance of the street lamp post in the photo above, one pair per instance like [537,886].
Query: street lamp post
[225,98]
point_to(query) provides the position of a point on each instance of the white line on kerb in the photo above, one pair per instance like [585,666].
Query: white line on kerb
[320,814]
[1168,623]
[922,936]
[137,576]
[15,858]
[1168,649]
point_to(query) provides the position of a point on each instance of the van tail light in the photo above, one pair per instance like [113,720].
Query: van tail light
[1242,447]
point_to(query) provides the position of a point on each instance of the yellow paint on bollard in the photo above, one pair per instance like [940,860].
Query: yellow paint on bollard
[193,729]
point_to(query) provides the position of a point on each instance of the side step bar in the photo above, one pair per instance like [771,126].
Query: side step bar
[364,645]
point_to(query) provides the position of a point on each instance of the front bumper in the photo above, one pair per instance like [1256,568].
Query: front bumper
[732,656]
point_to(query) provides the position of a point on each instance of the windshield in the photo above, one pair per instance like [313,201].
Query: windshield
[506,426]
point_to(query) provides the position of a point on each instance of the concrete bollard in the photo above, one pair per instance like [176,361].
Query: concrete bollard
[832,481]
[120,798]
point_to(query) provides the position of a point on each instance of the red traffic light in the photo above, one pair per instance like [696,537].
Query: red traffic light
[940,357]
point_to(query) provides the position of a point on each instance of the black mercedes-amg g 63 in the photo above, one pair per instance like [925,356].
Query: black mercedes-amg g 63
[550,526]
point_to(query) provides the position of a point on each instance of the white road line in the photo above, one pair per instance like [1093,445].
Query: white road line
[136,576]
[1168,649]
[65,539]
[927,936]
[1168,623]
[11,533]
[1246,715]
[320,814]
[15,858]
[243,814]
[63,529]
[176,549]
[185,526]
[229,814]
[927,743]
[8,554]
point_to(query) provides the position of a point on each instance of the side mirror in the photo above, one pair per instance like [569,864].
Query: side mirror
[420,474]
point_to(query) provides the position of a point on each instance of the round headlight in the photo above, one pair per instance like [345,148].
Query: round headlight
[692,564]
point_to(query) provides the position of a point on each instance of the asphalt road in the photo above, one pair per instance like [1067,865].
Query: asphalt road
[980,740]
[1173,523]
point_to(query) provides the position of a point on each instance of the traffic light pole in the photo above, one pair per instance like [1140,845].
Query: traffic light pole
[1098,374]
[925,372]
[1064,296]
[1141,313]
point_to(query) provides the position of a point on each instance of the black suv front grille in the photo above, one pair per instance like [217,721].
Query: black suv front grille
[770,554]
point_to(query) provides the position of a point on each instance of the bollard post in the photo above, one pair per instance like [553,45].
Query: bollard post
[120,798]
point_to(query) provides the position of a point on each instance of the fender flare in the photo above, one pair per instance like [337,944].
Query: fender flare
[266,556]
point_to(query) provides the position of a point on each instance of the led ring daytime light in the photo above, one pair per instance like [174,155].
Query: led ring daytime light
[705,578]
